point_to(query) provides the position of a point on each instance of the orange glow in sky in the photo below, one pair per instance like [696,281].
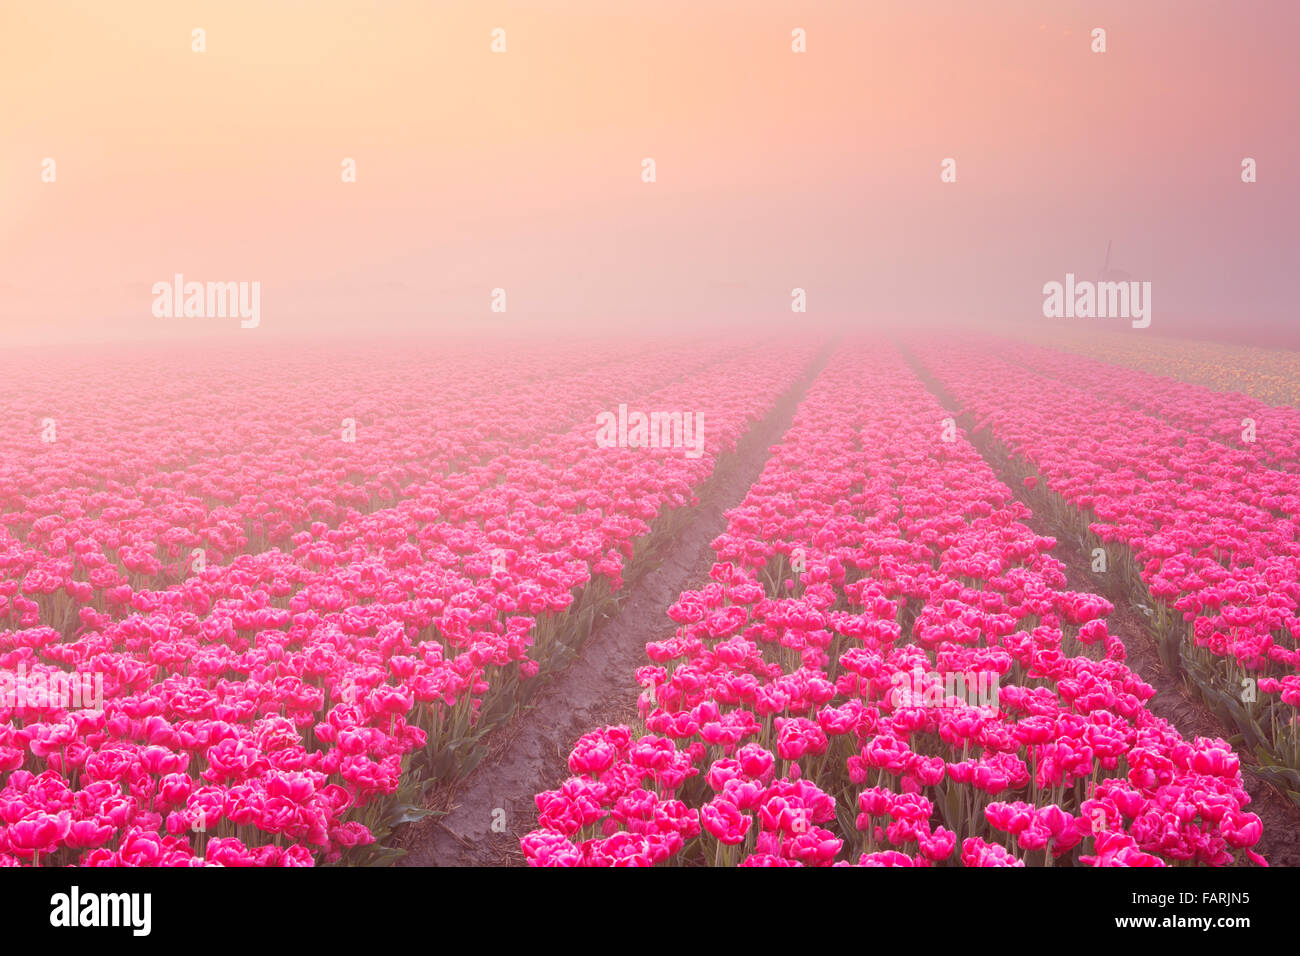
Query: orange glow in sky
[522,170]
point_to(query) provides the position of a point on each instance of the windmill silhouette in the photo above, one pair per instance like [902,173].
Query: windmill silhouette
[1111,275]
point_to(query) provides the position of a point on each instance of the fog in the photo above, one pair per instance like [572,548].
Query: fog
[523,170]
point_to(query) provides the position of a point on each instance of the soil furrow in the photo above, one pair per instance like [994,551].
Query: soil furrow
[483,820]
[1174,700]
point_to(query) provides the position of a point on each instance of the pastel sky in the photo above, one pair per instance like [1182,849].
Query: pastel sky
[522,169]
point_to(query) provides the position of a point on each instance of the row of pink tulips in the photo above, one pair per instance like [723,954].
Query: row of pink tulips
[805,711]
[1267,434]
[135,484]
[1208,534]
[278,709]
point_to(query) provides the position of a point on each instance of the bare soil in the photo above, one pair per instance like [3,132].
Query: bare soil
[1175,700]
[530,754]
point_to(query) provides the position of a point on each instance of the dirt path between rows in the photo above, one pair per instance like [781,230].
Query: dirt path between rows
[493,807]
[1178,703]
[1174,700]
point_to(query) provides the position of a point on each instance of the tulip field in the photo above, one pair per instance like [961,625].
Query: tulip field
[304,595]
